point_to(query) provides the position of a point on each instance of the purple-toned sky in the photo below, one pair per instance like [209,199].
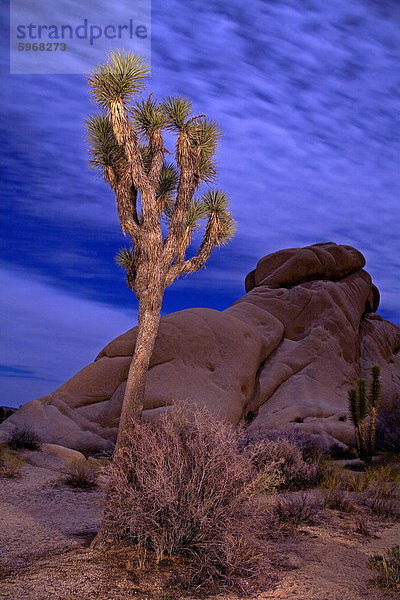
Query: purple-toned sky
[307,94]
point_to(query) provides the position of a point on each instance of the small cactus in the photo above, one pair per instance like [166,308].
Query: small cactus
[362,406]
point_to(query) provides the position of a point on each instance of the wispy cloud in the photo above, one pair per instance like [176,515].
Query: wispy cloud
[49,335]
[307,95]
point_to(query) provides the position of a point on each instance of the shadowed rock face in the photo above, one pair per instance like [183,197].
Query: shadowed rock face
[5,412]
[283,355]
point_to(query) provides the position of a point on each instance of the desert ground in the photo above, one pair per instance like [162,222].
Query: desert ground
[46,528]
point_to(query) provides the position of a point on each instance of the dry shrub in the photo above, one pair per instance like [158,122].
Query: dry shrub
[388,567]
[80,473]
[336,479]
[185,489]
[292,456]
[24,438]
[381,502]
[339,500]
[297,508]
[362,525]
[382,474]
[10,463]
[381,494]
[332,479]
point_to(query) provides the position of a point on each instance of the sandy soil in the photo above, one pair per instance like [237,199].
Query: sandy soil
[46,528]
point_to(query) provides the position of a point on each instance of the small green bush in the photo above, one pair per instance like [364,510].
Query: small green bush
[388,567]
[24,438]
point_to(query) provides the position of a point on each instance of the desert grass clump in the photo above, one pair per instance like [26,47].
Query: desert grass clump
[296,508]
[388,567]
[297,466]
[80,473]
[338,499]
[24,438]
[185,488]
[381,502]
[10,463]
[362,525]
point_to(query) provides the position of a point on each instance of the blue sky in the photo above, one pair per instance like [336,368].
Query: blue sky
[307,94]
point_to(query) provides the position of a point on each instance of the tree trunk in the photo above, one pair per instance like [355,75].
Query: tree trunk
[132,406]
[372,429]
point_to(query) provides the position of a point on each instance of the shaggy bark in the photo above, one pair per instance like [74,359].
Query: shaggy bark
[147,328]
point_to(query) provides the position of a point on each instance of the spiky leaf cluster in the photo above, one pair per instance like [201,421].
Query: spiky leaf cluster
[226,229]
[353,410]
[148,116]
[361,398]
[375,387]
[124,257]
[204,136]
[195,214]
[103,147]
[168,181]
[358,404]
[216,204]
[177,111]
[119,78]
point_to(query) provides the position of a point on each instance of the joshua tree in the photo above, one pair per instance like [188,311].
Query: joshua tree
[374,398]
[156,198]
[360,407]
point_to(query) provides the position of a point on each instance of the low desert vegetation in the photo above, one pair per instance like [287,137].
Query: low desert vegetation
[24,438]
[294,456]
[376,489]
[362,525]
[297,509]
[388,568]
[81,473]
[363,408]
[10,463]
[338,499]
[200,490]
[187,488]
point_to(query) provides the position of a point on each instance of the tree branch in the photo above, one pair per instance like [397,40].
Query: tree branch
[210,240]
[156,151]
[186,160]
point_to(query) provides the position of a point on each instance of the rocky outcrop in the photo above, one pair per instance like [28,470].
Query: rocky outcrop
[283,355]
[5,412]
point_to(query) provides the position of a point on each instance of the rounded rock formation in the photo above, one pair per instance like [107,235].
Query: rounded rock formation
[284,355]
